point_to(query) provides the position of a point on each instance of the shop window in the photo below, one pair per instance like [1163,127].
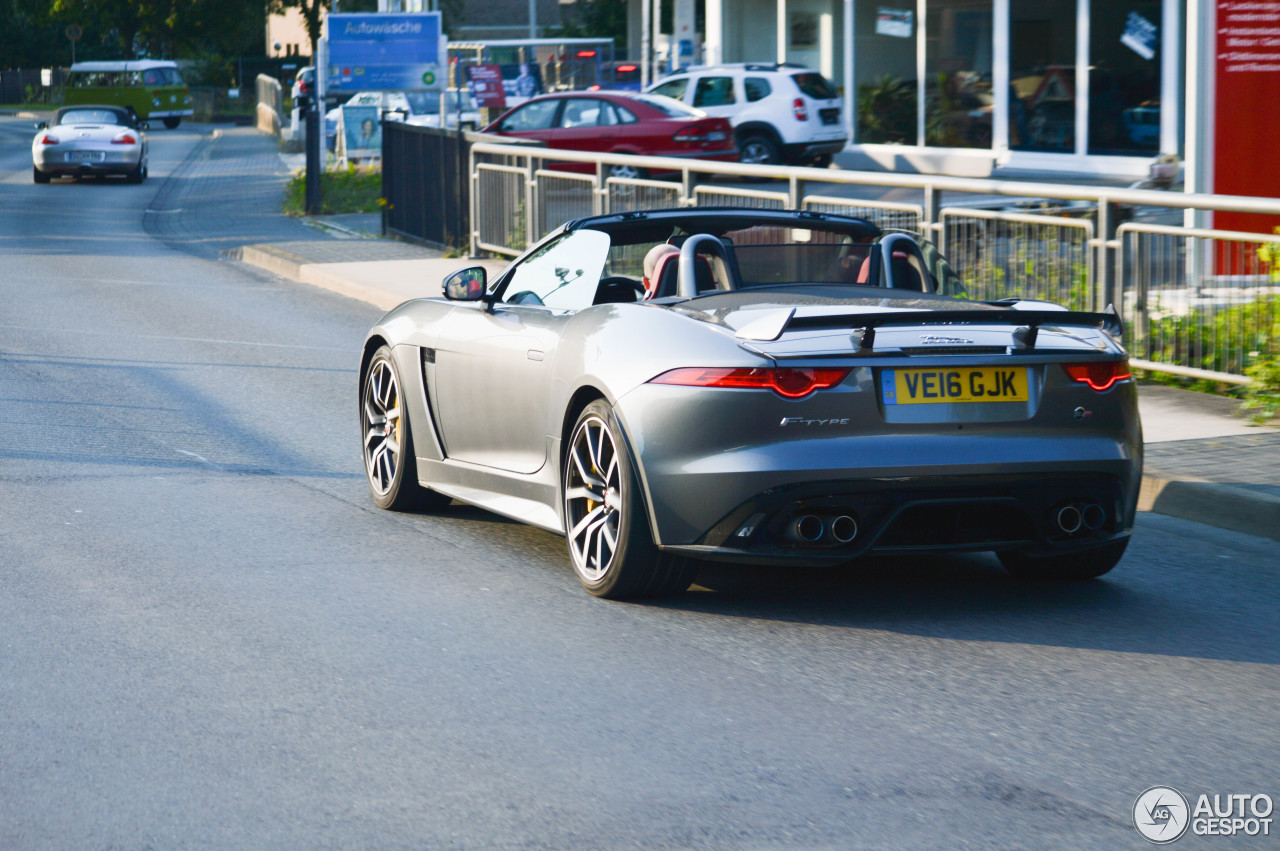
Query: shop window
[958,100]
[1042,75]
[885,72]
[1125,52]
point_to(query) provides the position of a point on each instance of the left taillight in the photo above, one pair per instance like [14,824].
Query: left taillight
[800,109]
[787,382]
[125,139]
[48,139]
[1099,375]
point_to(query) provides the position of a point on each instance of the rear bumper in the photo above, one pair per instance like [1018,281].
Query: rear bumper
[809,150]
[713,460]
[919,515]
[114,162]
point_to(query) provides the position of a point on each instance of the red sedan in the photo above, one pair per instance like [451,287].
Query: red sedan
[619,123]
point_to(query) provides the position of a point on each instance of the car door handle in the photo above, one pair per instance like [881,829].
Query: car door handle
[535,354]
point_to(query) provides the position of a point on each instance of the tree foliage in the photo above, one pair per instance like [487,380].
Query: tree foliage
[33,32]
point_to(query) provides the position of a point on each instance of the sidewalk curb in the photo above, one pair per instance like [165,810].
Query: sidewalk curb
[1226,506]
[282,263]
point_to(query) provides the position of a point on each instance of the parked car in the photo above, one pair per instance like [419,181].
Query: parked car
[780,113]
[619,123]
[421,108]
[303,83]
[773,387]
[91,139]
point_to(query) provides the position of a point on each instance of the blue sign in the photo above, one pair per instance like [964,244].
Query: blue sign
[390,51]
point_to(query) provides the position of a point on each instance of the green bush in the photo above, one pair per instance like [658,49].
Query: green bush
[1228,339]
[350,190]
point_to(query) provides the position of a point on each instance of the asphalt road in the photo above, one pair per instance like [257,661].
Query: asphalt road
[210,638]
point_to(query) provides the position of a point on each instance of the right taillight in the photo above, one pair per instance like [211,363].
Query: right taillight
[800,109]
[1099,375]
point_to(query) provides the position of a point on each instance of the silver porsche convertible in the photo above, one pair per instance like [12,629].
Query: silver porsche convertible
[90,140]
[754,386]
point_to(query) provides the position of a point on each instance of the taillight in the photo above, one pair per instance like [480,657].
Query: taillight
[302,88]
[1099,375]
[692,133]
[788,382]
[46,139]
[125,139]
[799,108]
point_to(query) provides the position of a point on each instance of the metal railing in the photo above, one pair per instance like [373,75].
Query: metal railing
[1198,302]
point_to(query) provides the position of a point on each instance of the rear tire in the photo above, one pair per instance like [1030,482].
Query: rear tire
[172,123]
[39,176]
[390,468]
[138,174]
[758,149]
[1081,565]
[606,525]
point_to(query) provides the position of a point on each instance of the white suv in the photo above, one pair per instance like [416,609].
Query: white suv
[780,113]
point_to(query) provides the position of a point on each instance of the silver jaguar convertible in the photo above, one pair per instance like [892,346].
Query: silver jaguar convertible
[754,386]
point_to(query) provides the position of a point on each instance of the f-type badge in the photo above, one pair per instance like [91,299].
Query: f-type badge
[804,421]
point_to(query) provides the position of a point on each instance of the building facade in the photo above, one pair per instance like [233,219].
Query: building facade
[961,86]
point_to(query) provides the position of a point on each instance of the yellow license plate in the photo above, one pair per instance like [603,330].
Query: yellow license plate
[966,384]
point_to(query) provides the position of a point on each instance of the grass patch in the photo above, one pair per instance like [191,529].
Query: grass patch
[354,190]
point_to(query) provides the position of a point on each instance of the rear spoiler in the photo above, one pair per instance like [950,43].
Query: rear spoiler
[1028,322]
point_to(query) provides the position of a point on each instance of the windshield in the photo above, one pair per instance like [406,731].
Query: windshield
[89,116]
[423,103]
[667,106]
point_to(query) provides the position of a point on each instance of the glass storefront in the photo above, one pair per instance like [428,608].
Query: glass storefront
[1124,77]
[952,45]
[884,50]
[1042,75]
[958,104]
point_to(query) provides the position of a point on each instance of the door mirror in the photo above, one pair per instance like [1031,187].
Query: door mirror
[42,125]
[466,284]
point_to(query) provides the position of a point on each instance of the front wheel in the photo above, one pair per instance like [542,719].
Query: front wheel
[172,123]
[1081,565]
[389,465]
[610,544]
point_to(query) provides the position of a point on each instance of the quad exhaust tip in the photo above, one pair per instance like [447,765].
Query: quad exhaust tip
[812,529]
[806,529]
[844,528]
[1073,518]
[1069,519]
